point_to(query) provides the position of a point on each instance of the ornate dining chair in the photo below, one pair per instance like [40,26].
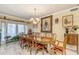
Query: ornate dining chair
[38,46]
[60,46]
[50,38]
[45,38]
[22,41]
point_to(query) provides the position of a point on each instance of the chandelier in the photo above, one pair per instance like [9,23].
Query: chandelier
[34,20]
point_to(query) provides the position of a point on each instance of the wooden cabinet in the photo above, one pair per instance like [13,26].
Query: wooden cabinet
[72,39]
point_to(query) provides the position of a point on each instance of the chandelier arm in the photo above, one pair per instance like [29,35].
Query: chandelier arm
[35,20]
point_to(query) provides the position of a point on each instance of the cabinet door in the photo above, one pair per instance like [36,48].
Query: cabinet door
[78,45]
[72,39]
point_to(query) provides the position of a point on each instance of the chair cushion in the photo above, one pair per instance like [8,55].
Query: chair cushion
[59,48]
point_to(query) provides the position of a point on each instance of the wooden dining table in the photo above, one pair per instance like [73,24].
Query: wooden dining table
[44,41]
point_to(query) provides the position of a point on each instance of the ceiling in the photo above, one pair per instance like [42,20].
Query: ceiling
[27,10]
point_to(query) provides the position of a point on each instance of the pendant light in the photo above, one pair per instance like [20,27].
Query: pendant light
[34,20]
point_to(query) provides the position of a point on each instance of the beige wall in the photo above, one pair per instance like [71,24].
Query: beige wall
[57,28]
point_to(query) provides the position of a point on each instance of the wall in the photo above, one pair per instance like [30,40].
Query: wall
[57,28]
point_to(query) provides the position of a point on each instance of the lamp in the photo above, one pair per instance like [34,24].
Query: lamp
[34,20]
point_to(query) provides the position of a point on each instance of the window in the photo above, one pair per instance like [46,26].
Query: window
[11,29]
[21,28]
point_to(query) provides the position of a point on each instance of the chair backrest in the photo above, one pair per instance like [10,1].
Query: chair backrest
[50,38]
[54,36]
[65,42]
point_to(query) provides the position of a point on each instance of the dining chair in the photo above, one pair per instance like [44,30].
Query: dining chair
[45,38]
[60,46]
[38,46]
[22,41]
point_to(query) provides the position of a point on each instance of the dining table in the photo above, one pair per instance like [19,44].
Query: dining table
[44,41]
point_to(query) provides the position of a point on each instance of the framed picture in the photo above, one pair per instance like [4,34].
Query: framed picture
[67,20]
[46,24]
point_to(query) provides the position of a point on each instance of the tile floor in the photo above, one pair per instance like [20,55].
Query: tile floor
[15,49]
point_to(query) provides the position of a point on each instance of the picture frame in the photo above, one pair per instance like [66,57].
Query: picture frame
[46,24]
[67,20]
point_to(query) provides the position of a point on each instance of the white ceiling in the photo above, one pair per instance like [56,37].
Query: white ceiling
[27,10]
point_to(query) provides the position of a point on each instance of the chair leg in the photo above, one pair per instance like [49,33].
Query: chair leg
[43,52]
[36,52]
[30,51]
[54,52]
[65,52]
[27,48]
[62,53]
